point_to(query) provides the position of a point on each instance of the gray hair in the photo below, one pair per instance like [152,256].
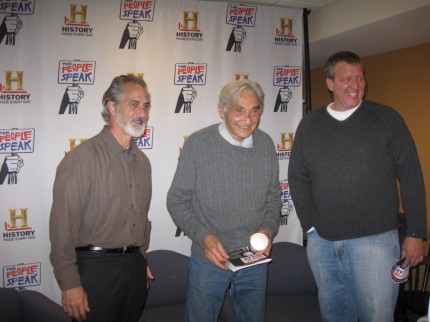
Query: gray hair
[230,92]
[115,92]
[342,56]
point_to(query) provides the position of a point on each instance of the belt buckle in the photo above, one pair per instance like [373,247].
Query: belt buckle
[124,249]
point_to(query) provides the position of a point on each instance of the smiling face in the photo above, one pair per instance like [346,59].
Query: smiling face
[348,85]
[132,113]
[242,118]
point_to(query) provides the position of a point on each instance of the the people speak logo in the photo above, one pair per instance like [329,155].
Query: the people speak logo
[17,228]
[287,204]
[283,149]
[284,34]
[12,90]
[74,73]
[179,230]
[146,140]
[22,275]
[188,75]
[76,23]
[240,16]
[189,28]
[285,77]
[12,142]
[12,23]
[135,12]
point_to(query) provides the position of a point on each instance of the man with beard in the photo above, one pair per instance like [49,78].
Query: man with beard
[99,228]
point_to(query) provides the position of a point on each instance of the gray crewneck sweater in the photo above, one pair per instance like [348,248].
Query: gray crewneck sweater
[226,190]
[343,174]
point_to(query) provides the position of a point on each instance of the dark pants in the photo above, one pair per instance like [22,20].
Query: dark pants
[116,285]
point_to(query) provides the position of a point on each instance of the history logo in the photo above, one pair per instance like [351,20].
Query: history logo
[189,28]
[17,228]
[135,12]
[12,23]
[283,149]
[284,33]
[74,142]
[12,90]
[76,24]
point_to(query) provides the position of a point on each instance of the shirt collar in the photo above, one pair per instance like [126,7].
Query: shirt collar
[341,115]
[246,143]
[113,145]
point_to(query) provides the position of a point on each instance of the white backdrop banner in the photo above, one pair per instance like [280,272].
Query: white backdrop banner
[58,58]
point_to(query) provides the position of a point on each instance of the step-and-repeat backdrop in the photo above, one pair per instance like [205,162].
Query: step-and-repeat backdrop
[58,58]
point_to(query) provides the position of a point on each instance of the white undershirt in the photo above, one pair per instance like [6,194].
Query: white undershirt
[341,115]
[246,143]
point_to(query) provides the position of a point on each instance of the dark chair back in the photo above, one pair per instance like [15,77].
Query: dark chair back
[171,277]
[289,271]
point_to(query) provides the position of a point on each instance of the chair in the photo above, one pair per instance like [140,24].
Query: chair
[29,305]
[167,294]
[292,294]
[415,297]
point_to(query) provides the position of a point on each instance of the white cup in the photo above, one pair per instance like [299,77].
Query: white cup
[259,241]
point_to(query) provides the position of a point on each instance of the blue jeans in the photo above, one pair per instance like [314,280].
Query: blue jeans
[354,277]
[207,286]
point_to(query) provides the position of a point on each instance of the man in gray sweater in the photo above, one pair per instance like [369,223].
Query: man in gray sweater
[226,187]
[346,161]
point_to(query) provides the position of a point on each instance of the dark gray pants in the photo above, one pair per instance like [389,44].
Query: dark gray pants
[116,285]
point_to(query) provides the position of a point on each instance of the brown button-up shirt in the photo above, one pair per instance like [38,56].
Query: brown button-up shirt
[101,196]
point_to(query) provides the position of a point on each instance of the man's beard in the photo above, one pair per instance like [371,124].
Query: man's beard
[128,127]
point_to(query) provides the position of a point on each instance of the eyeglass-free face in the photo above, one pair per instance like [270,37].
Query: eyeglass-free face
[242,118]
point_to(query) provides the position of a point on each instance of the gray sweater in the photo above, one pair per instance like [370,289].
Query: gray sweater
[226,190]
[343,174]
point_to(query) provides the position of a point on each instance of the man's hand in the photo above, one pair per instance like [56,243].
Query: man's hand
[150,276]
[269,245]
[215,252]
[75,303]
[413,251]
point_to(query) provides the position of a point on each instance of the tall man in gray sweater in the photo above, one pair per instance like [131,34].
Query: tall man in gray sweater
[346,161]
[226,187]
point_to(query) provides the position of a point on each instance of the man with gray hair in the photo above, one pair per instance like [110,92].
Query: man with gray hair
[226,188]
[99,228]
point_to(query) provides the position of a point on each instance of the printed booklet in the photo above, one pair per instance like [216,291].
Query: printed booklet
[245,257]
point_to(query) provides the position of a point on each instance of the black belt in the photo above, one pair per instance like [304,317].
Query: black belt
[97,249]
